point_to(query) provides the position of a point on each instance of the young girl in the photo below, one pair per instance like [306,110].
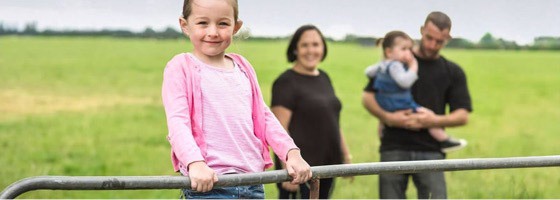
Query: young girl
[394,76]
[218,122]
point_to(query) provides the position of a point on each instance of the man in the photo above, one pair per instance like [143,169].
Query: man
[405,137]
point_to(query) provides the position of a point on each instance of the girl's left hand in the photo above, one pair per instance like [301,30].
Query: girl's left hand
[297,168]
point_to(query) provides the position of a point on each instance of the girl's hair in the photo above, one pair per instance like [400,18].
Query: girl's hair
[291,53]
[389,40]
[187,8]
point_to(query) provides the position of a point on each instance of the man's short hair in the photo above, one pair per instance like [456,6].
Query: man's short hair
[441,20]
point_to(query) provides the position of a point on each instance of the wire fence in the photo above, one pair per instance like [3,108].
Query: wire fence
[327,171]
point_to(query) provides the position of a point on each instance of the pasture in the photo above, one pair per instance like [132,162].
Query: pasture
[92,107]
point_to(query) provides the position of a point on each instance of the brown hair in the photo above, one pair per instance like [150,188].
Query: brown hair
[389,40]
[441,20]
[291,55]
[187,8]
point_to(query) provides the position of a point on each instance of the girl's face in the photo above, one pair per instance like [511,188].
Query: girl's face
[310,50]
[210,27]
[400,51]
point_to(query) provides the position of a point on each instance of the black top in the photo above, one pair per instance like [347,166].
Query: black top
[440,83]
[314,124]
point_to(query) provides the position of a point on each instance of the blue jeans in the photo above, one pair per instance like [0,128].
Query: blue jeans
[429,185]
[236,192]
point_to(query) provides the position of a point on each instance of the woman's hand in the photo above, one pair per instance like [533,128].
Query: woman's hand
[290,187]
[297,168]
[348,160]
[202,177]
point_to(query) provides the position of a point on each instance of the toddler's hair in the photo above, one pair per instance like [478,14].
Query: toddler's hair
[389,40]
[187,8]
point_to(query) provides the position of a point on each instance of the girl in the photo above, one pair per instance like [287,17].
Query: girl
[218,122]
[304,101]
[393,78]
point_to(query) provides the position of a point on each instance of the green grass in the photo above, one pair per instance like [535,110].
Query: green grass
[91,107]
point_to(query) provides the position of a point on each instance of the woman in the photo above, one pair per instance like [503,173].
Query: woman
[304,102]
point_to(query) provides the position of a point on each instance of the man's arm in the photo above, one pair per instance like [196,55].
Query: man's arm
[427,118]
[393,119]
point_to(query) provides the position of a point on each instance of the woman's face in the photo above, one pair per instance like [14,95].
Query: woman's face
[310,50]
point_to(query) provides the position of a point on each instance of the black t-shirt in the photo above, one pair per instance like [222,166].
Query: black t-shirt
[440,83]
[314,123]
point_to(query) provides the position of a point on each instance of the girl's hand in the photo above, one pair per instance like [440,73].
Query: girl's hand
[297,168]
[202,177]
[411,61]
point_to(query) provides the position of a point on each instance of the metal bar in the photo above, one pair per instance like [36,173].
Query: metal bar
[328,171]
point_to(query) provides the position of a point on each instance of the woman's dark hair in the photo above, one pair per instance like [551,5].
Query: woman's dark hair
[291,53]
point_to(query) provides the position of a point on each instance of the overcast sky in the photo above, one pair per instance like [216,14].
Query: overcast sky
[519,20]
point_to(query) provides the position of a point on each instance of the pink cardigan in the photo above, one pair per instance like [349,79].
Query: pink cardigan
[182,99]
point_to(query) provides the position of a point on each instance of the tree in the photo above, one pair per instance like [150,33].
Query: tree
[460,43]
[149,33]
[488,42]
[30,28]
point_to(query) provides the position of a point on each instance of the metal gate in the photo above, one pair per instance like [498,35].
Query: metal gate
[327,171]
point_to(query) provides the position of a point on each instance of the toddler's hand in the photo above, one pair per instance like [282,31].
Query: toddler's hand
[202,177]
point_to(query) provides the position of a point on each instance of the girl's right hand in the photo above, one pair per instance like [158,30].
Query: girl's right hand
[290,187]
[202,177]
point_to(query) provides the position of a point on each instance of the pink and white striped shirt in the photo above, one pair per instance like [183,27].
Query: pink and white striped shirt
[231,134]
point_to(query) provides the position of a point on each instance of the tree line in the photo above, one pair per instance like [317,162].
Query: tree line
[488,41]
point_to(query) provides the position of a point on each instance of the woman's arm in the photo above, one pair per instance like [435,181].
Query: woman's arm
[284,116]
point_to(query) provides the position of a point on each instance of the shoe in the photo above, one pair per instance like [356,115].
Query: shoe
[452,144]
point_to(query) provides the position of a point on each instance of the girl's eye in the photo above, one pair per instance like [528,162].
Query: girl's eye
[224,24]
[202,23]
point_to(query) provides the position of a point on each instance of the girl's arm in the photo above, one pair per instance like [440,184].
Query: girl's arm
[174,98]
[371,70]
[180,135]
[404,78]
[284,146]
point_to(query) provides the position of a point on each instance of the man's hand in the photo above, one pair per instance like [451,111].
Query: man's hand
[202,177]
[425,118]
[398,118]
[297,168]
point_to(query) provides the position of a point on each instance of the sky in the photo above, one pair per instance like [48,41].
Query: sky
[518,20]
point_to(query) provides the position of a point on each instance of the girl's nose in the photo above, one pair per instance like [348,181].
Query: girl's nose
[212,31]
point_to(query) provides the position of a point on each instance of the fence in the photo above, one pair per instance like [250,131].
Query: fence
[329,171]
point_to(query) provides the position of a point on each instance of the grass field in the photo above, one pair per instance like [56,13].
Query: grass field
[92,107]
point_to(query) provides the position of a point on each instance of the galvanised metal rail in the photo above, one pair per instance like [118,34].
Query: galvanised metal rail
[328,171]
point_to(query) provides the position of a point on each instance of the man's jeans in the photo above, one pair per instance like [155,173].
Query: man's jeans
[236,192]
[429,185]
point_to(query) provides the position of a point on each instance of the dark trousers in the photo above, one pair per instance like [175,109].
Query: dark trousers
[325,189]
[429,185]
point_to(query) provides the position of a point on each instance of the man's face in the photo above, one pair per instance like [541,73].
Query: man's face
[433,40]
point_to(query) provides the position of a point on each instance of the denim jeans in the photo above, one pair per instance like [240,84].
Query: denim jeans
[429,185]
[236,192]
